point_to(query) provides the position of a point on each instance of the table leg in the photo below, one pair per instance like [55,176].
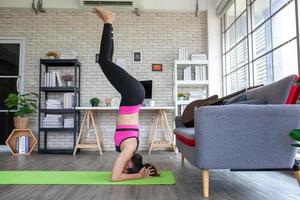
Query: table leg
[96,133]
[169,132]
[80,133]
[153,132]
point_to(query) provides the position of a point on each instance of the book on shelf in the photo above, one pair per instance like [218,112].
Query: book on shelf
[69,122]
[22,144]
[187,73]
[200,72]
[53,79]
[52,121]
[68,54]
[69,100]
[183,54]
[53,104]
[200,56]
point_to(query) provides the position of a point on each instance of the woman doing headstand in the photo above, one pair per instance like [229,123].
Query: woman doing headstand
[128,165]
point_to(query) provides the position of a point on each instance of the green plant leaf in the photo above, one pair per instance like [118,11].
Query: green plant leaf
[295,134]
[296,145]
[24,104]
[298,81]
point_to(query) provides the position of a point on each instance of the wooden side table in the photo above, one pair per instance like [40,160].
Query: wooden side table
[11,140]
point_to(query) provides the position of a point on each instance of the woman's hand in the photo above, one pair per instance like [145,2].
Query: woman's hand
[146,172]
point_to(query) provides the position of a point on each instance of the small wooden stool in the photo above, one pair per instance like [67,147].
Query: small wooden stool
[161,120]
[89,115]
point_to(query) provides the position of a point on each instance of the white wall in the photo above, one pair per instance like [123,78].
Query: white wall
[187,5]
[214,49]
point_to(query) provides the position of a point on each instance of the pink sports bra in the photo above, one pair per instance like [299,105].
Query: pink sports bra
[129,109]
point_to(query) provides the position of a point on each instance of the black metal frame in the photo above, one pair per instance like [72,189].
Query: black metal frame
[76,114]
[250,36]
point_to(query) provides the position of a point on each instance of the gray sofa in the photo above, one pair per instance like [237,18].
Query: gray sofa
[243,137]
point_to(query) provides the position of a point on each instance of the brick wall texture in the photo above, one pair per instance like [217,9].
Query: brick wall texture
[158,35]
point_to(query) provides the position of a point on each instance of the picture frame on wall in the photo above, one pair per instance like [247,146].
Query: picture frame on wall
[157,67]
[137,56]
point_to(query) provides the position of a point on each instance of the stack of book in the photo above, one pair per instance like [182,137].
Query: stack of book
[68,122]
[183,54]
[197,95]
[68,100]
[202,56]
[187,73]
[53,104]
[22,144]
[200,73]
[68,54]
[53,121]
[53,79]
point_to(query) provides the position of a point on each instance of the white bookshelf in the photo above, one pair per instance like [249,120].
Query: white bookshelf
[181,85]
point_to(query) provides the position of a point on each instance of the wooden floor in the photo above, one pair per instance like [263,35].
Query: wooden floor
[224,185]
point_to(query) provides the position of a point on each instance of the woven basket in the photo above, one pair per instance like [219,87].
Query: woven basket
[21,122]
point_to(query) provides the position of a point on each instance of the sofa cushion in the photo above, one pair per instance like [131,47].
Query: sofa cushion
[279,92]
[185,135]
[237,99]
[253,102]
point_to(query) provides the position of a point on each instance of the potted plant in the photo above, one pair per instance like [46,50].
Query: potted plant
[180,96]
[68,78]
[94,101]
[24,105]
[295,135]
[52,54]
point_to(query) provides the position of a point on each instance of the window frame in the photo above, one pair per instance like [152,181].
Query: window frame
[249,37]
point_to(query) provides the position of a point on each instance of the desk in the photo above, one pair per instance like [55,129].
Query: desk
[160,120]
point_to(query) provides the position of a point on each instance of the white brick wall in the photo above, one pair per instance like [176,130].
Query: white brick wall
[157,35]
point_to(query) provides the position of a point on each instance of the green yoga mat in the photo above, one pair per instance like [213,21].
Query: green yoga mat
[77,178]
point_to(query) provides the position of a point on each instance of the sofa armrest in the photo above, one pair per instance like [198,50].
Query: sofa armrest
[245,136]
[178,122]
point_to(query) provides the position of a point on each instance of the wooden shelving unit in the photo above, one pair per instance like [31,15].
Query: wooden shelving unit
[45,65]
[11,140]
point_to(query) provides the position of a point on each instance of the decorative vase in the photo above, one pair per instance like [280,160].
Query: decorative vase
[70,83]
[21,122]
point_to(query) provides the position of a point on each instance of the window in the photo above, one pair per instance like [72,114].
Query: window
[259,42]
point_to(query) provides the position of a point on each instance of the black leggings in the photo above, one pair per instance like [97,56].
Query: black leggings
[131,90]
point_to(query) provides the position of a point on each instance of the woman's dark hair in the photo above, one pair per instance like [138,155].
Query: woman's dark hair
[137,161]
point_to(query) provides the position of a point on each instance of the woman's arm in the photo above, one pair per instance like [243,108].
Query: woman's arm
[117,171]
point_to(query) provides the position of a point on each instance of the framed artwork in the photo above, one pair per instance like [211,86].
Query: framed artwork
[137,56]
[156,67]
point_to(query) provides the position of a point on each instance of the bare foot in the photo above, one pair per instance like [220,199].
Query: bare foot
[106,15]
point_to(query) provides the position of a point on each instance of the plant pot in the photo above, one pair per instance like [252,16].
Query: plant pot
[94,105]
[50,57]
[21,122]
[70,83]
[180,98]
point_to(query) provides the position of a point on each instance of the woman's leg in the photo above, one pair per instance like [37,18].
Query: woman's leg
[107,42]
[131,90]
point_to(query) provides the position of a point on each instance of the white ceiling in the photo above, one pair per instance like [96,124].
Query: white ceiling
[173,5]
